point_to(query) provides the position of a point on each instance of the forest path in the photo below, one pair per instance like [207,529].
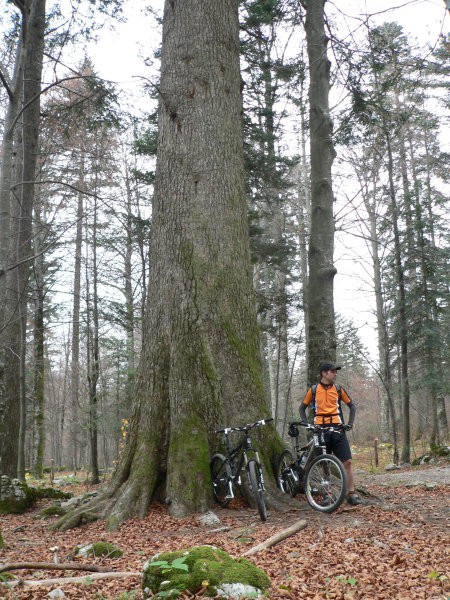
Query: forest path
[420,475]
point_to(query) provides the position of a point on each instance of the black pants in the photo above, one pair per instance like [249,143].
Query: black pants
[337,444]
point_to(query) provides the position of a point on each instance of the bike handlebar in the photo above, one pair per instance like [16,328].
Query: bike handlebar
[337,427]
[227,430]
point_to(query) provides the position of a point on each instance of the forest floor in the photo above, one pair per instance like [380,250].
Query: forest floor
[395,545]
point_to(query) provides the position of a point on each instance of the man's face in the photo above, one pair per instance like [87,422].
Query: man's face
[329,376]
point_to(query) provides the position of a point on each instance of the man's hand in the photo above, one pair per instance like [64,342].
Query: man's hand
[348,426]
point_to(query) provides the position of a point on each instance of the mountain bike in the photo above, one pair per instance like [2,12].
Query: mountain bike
[320,476]
[226,470]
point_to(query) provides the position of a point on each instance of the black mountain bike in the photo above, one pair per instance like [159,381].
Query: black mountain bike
[320,476]
[226,470]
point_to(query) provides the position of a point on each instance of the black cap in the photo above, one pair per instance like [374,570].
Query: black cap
[329,367]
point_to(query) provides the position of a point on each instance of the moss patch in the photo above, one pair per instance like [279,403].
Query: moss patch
[205,567]
[248,352]
[190,446]
[52,511]
[98,549]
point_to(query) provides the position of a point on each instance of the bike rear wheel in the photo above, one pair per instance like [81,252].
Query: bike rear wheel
[257,487]
[220,480]
[325,483]
[287,477]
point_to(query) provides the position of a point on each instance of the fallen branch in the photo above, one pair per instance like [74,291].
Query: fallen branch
[63,580]
[278,537]
[70,566]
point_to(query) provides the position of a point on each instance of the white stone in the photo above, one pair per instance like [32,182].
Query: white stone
[84,550]
[57,593]
[236,591]
[209,518]
[392,467]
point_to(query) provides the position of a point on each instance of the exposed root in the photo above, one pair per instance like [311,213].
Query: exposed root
[87,513]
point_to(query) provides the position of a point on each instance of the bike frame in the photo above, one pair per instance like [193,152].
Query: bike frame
[316,444]
[241,449]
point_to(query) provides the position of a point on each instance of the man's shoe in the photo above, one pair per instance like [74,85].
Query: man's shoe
[354,499]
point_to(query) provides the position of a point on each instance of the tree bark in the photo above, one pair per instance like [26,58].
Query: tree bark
[200,363]
[34,53]
[9,405]
[320,325]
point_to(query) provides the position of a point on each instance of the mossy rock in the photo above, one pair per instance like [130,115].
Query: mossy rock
[203,567]
[52,511]
[98,549]
[440,450]
[16,496]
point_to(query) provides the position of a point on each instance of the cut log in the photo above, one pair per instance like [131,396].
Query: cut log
[277,537]
[63,580]
[70,566]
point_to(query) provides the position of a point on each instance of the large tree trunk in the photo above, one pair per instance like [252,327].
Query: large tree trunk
[34,53]
[25,88]
[303,209]
[9,405]
[321,328]
[200,363]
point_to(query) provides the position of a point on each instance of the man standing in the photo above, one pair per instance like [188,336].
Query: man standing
[325,400]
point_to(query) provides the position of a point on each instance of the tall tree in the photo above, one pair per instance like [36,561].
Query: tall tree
[22,118]
[200,363]
[321,270]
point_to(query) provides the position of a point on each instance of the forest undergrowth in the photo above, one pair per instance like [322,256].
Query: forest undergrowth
[393,546]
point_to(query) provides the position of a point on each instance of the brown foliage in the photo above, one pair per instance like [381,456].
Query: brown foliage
[393,547]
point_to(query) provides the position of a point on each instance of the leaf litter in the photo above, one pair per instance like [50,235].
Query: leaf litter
[394,546]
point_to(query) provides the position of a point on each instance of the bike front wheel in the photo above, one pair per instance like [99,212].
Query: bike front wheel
[325,483]
[257,486]
[287,476]
[220,480]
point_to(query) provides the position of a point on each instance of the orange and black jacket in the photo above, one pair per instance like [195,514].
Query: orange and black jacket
[327,405]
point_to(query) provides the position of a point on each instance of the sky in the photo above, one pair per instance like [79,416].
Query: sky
[117,53]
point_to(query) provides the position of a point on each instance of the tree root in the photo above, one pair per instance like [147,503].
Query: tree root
[116,504]
[92,511]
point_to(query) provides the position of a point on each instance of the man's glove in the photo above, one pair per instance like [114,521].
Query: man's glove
[348,426]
